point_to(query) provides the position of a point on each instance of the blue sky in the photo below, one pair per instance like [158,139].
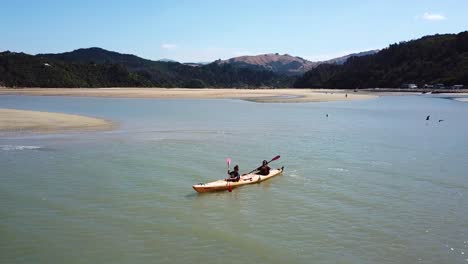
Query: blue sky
[206,30]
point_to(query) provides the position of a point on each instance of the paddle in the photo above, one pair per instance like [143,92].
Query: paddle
[228,161]
[273,159]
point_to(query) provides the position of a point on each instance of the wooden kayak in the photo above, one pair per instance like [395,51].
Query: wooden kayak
[222,185]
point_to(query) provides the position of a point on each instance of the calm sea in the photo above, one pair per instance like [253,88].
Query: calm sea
[372,183]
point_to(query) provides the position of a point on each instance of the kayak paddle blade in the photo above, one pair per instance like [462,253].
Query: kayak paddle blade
[275,158]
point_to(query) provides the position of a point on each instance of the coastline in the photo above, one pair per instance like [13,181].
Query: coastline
[14,121]
[25,121]
[255,95]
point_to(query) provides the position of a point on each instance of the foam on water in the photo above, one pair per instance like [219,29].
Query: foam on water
[15,147]
[338,169]
[296,176]
[380,163]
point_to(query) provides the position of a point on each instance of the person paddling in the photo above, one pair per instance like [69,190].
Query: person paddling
[264,169]
[234,175]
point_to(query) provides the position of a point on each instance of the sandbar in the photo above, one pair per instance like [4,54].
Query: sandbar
[256,95]
[23,121]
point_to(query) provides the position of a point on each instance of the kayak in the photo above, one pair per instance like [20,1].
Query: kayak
[222,185]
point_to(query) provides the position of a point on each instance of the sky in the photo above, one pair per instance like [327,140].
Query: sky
[206,30]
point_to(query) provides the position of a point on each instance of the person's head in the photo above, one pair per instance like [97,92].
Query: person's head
[236,168]
[264,162]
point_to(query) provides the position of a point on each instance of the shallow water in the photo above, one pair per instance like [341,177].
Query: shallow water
[372,183]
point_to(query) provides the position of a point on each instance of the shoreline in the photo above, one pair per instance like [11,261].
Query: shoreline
[17,121]
[254,95]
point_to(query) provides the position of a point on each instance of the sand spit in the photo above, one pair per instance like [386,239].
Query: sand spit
[21,121]
[257,95]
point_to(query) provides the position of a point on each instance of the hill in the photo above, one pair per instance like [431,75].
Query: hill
[341,60]
[101,56]
[428,60]
[19,69]
[284,64]
[96,67]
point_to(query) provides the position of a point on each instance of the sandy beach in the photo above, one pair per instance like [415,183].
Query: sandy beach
[19,121]
[257,95]
[44,122]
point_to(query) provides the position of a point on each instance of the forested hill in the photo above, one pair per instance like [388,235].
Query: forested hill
[429,60]
[23,70]
[102,56]
[96,67]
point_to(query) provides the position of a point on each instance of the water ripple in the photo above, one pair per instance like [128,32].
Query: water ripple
[15,147]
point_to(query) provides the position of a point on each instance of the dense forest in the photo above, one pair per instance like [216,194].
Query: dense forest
[429,60]
[95,67]
[18,69]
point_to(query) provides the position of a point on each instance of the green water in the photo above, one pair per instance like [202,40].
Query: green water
[372,183]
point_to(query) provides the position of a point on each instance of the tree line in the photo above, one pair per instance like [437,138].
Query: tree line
[429,60]
[100,68]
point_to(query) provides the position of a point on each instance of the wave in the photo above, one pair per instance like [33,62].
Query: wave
[380,163]
[13,147]
[338,169]
[296,176]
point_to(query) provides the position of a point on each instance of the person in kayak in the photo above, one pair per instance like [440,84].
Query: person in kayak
[234,175]
[264,169]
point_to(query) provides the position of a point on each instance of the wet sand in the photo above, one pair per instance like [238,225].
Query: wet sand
[19,121]
[256,95]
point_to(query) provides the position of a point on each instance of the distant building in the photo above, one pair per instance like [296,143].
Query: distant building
[439,86]
[458,86]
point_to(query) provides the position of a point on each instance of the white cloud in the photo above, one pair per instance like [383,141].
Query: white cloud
[168,46]
[433,17]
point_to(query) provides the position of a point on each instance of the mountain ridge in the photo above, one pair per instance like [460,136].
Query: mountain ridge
[430,59]
[436,59]
[285,64]
[97,67]
[341,60]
